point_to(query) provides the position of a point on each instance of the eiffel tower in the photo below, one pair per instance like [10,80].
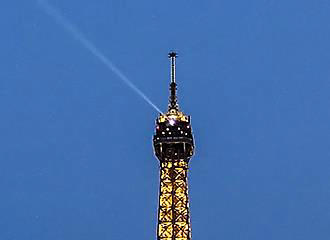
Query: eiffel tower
[173,146]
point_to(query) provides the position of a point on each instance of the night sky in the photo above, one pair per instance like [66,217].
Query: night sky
[76,156]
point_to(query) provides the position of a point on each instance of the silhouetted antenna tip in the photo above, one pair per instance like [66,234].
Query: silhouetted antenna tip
[172,54]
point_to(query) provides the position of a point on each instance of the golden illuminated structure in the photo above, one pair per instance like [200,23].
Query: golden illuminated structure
[174,146]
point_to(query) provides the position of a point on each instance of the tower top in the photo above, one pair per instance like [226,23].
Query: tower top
[173,102]
[173,114]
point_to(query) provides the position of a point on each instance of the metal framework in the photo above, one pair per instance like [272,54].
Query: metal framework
[174,146]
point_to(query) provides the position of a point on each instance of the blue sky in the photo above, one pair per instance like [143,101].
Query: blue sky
[76,159]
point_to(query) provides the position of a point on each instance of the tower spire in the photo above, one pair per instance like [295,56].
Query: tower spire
[173,102]
[173,143]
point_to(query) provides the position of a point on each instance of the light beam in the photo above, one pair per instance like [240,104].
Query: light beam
[73,30]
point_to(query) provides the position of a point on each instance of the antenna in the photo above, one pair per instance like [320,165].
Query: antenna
[173,98]
[172,56]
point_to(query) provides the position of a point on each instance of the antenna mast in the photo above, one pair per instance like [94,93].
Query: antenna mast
[173,102]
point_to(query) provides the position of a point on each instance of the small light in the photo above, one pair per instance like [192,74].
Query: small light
[181,132]
[167,129]
[178,128]
[163,132]
[171,121]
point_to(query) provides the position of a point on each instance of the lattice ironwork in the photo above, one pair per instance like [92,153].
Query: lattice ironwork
[173,212]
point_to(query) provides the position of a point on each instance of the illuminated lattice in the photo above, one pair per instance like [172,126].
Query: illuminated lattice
[173,215]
